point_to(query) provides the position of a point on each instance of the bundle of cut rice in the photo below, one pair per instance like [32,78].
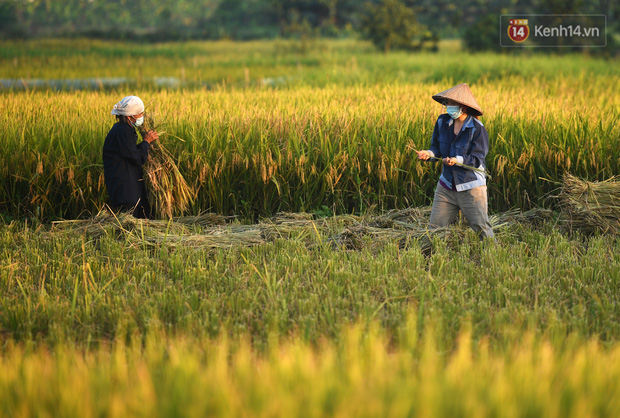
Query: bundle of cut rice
[409,218]
[168,191]
[225,239]
[191,232]
[591,207]
[124,222]
[532,216]
[204,219]
[284,217]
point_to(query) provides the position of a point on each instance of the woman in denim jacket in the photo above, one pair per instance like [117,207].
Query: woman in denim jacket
[459,137]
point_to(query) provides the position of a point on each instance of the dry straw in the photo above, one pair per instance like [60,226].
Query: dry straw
[341,232]
[591,207]
[203,231]
[169,193]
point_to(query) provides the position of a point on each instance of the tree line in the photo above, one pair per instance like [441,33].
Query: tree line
[390,24]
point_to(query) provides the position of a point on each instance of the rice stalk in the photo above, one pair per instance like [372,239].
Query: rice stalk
[403,219]
[468,167]
[169,193]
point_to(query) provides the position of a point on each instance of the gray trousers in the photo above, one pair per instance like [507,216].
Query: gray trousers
[473,203]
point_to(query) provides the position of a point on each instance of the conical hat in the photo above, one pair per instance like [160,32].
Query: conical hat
[462,95]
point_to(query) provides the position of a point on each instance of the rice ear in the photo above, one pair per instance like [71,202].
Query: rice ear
[169,193]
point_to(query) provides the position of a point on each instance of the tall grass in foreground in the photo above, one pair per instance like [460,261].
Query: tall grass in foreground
[363,374]
[72,287]
[257,152]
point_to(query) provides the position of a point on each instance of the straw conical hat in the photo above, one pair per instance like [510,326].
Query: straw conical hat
[462,95]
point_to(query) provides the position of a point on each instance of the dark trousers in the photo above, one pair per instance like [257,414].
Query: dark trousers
[141,209]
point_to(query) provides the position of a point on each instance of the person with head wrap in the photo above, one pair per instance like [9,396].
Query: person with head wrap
[123,159]
[460,137]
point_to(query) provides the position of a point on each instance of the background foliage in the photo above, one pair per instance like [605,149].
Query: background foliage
[161,20]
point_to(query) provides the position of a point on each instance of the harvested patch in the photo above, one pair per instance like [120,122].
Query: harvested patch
[347,232]
[204,219]
[402,219]
[285,217]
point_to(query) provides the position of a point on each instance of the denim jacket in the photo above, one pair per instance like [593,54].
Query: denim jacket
[470,147]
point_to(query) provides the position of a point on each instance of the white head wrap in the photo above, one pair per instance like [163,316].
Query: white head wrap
[129,106]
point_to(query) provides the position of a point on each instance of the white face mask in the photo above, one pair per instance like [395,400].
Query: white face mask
[138,121]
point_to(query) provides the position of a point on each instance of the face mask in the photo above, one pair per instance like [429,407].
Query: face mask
[138,121]
[454,111]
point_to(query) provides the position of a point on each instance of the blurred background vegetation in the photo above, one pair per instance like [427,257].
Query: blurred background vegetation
[389,24]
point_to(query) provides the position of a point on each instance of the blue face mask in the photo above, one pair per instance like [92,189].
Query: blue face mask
[454,111]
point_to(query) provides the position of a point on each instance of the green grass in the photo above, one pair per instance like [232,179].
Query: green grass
[316,63]
[66,287]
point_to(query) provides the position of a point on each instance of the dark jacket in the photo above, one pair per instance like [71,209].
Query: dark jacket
[122,165]
[470,147]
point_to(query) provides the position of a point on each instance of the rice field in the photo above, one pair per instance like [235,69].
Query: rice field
[251,153]
[253,150]
[338,311]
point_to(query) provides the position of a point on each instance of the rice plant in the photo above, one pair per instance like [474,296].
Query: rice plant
[362,374]
[256,153]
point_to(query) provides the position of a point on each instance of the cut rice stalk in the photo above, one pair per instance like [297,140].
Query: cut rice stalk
[591,207]
[169,193]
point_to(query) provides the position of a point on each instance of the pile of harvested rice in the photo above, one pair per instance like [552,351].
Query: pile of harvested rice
[587,206]
[402,219]
[204,219]
[342,232]
[591,207]
[404,232]
[169,193]
[203,231]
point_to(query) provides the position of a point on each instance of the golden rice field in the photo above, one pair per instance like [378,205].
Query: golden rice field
[257,152]
[289,318]
[316,141]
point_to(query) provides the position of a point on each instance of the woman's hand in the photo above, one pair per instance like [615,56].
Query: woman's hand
[449,161]
[151,136]
[423,155]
